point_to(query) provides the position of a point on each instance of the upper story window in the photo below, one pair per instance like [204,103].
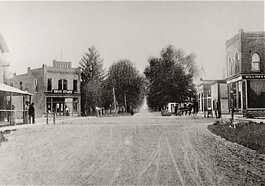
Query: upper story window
[62,84]
[230,66]
[236,62]
[75,85]
[49,84]
[20,85]
[255,62]
[35,85]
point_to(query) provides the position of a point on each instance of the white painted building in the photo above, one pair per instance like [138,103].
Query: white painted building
[219,96]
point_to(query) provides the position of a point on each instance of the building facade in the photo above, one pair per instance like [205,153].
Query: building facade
[219,96]
[204,95]
[245,63]
[55,88]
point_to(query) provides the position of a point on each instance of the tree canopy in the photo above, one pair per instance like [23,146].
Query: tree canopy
[127,83]
[170,77]
[92,75]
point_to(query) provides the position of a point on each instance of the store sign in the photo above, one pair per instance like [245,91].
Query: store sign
[56,91]
[253,76]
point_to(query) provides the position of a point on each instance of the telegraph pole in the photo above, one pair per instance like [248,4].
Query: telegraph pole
[125,102]
[114,98]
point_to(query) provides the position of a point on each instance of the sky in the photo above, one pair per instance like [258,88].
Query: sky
[39,32]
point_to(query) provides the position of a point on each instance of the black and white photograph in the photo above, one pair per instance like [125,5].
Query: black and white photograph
[132,93]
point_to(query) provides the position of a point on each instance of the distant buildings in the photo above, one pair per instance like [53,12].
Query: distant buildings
[55,88]
[244,86]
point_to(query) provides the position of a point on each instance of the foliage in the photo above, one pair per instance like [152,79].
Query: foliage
[170,77]
[92,75]
[249,134]
[127,83]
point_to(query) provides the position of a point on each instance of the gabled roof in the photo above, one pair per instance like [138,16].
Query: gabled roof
[7,90]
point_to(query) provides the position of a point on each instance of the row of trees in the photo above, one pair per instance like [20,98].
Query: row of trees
[168,78]
[121,82]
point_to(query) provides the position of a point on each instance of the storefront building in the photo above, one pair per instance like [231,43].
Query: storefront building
[54,88]
[204,96]
[219,96]
[246,73]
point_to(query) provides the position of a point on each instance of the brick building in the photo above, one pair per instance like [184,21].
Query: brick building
[54,88]
[245,63]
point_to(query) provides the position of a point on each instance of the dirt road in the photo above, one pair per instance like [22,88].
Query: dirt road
[145,149]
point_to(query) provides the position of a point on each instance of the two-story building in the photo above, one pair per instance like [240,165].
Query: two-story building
[245,63]
[54,88]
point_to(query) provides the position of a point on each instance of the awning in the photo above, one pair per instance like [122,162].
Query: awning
[7,90]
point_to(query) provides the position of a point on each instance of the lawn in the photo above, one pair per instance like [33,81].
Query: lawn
[248,134]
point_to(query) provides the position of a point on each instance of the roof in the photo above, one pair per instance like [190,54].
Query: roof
[205,82]
[7,90]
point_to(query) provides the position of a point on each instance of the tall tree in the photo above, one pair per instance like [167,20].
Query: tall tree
[170,77]
[92,75]
[128,84]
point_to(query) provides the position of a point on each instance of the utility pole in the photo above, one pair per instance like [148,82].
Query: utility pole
[114,98]
[125,104]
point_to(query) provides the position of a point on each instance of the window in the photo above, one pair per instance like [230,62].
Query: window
[20,85]
[236,62]
[230,66]
[36,85]
[255,62]
[49,84]
[11,84]
[256,93]
[64,84]
[60,85]
[75,85]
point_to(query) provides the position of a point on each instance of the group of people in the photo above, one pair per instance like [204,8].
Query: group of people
[30,112]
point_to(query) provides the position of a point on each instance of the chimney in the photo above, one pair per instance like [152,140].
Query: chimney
[29,69]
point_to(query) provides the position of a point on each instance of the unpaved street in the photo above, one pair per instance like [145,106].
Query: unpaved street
[146,149]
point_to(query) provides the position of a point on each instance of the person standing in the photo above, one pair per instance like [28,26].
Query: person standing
[31,113]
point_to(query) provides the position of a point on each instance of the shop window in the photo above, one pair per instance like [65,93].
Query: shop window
[75,105]
[255,62]
[75,85]
[60,85]
[64,84]
[49,84]
[48,104]
[256,93]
